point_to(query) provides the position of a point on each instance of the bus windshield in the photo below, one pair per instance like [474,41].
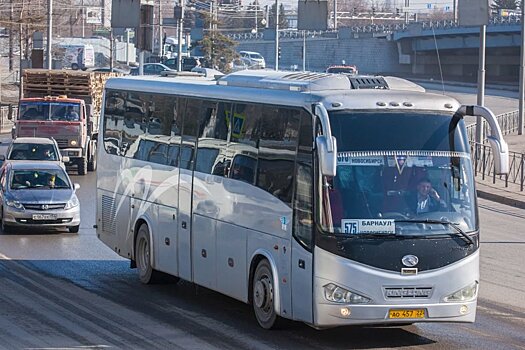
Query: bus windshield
[399,174]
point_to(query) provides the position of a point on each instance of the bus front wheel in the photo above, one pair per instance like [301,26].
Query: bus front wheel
[263,295]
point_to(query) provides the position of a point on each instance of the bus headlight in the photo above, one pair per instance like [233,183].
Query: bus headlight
[73,142]
[338,294]
[467,293]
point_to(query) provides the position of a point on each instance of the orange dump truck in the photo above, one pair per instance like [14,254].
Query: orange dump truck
[64,105]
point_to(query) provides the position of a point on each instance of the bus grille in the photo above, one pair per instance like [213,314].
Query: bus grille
[108,215]
[408,292]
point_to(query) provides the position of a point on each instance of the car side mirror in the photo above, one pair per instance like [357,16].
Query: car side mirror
[77,186]
[65,159]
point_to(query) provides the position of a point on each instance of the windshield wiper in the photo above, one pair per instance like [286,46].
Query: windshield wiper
[442,222]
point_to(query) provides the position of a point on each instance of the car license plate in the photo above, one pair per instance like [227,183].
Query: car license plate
[44,217]
[415,313]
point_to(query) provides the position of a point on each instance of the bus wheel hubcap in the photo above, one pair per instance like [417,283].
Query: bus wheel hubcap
[263,294]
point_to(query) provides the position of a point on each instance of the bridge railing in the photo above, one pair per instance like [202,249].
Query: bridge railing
[370,28]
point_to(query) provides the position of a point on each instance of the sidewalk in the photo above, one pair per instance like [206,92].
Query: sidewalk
[497,192]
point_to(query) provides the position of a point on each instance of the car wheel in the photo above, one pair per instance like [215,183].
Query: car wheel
[74,229]
[82,166]
[75,66]
[5,228]
[263,295]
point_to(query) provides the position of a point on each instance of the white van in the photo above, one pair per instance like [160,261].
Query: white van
[76,56]
[253,59]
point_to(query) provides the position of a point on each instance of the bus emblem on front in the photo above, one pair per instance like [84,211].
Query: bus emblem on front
[410,260]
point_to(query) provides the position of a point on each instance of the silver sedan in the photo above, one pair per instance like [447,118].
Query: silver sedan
[38,194]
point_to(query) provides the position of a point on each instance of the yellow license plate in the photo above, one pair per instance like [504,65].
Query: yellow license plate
[416,313]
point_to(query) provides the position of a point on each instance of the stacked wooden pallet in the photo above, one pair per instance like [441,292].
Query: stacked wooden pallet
[74,84]
[63,82]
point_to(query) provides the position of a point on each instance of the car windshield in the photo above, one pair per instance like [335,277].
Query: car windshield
[45,110]
[39,179]
[32,151]
[349,70]
[407,174]
[256,56]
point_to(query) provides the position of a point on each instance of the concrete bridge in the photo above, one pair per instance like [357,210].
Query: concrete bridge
[405,49]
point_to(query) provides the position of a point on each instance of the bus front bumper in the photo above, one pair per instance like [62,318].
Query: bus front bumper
[331,315]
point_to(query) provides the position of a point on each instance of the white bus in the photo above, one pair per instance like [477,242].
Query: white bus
[302,194]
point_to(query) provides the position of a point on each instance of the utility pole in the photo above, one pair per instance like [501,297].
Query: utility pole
[11,35]
[522,72]
[161,46]
[49,34]
[256,19]
[83,19]
[335,15]
[304,50]
[181,29]
[481,81]
[276,34]
[407,5]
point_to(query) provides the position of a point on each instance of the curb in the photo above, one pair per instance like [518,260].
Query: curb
[501,199]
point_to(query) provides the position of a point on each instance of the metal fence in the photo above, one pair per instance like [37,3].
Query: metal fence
[508,123]
[483,159]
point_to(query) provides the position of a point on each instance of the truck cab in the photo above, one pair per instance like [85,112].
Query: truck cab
[63,119]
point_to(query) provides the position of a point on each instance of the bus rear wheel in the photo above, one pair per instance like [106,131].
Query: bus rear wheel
[143,251]
[263,295]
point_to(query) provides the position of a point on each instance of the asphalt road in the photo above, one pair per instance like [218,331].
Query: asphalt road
[60,290]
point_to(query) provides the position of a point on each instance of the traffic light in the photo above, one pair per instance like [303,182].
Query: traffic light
[398,11]
[279,52]
[373,10]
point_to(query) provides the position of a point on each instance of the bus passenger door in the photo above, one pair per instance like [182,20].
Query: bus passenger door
[185,209]
[303,226]
[189,109]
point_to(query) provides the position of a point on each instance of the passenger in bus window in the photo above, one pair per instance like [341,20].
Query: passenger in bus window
[426,199]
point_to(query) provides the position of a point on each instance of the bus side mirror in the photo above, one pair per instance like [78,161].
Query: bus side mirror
[500,151]
[499,146]
[326,143]
[327,160]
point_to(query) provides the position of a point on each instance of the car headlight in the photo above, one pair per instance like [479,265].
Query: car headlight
[467,293]
[73,142]
[14,204]
[73,202]
[341,295]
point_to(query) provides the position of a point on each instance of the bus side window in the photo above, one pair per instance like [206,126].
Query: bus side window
[277,151]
